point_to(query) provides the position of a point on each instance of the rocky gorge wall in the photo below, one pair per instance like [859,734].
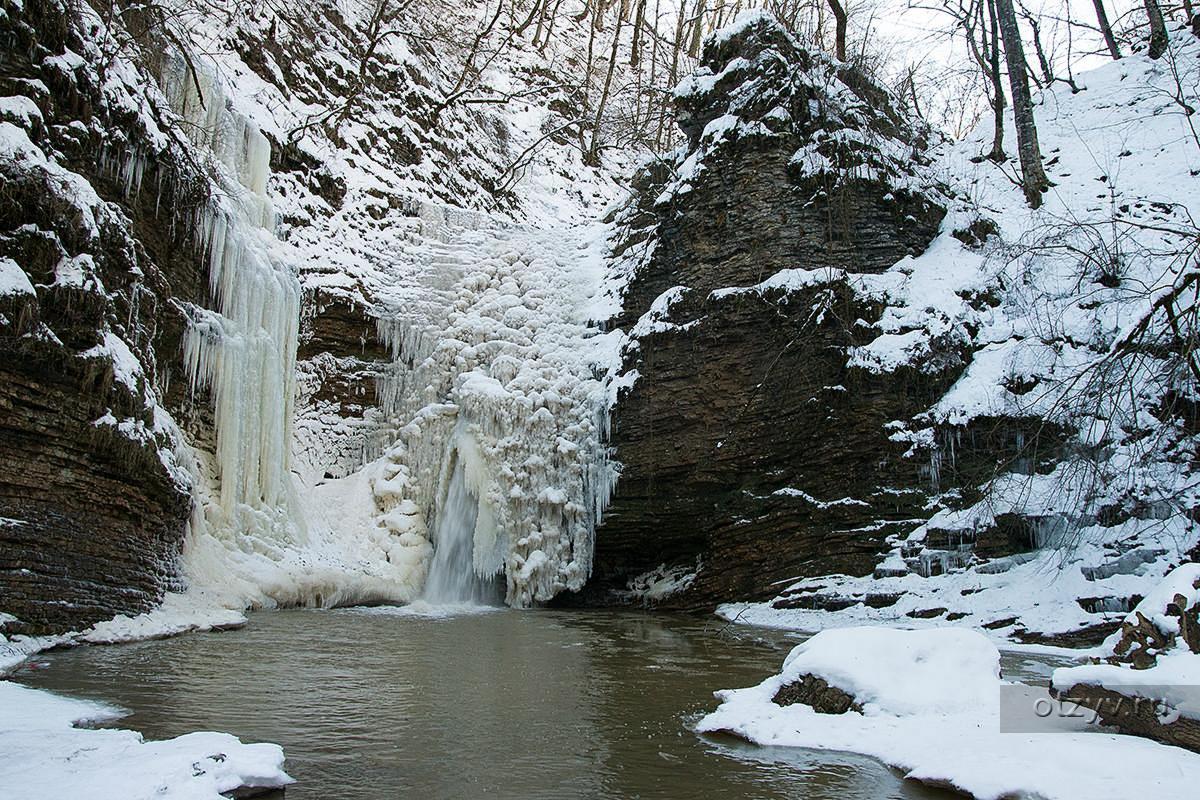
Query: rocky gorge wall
[754,447]
[93,498]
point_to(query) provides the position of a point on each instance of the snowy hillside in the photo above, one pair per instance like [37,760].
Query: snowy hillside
[1059,311]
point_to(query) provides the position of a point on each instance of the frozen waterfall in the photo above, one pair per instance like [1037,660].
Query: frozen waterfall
[491,470]
[498,374]
[453,577]
[244,349]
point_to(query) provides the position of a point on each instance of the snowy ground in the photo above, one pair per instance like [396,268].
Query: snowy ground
[1037,594]
[934,706]
[48,753]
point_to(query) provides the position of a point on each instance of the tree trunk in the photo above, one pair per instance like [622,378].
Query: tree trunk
[593,154]
[839,27]
[1106,29]
[998,103]
[550,25]
[1192,19]
[1158,29]
[635,48]
[1034,179]
[697,28]
[587,83]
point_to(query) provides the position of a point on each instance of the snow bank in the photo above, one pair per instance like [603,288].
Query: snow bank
[931,708]
[44,756]
[1174,679]
[899,672]
[1183,581]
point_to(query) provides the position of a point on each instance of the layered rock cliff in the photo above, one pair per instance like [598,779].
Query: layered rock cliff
[847,376]
[96,278]
[752,450]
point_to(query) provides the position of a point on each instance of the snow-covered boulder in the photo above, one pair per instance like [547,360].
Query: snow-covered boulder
[1150,684]
[928,703]
[891,673]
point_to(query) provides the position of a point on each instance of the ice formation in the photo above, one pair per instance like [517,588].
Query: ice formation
[245,349]
[495,409]
[492,460]
[500,383]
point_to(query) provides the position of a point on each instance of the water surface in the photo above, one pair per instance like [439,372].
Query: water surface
[382,703]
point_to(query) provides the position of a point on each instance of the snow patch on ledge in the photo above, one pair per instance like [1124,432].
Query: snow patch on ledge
[657,317]
[789,491]
[787,280]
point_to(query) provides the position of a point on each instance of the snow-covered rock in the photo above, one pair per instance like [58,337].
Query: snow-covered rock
[931,707]
[1148,683]
[47,752]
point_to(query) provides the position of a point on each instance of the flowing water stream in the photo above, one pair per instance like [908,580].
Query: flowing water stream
[452,575]
[380,703]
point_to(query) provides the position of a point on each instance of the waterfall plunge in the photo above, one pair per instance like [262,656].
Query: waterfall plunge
[468,552]
[453,578]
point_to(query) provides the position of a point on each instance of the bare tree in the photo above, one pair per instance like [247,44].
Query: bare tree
[639,21]
[1106,29]
[991,46]
[1033,175]
[593,152]
[1035,27]
[839,23]
[1158,28]
[697,21]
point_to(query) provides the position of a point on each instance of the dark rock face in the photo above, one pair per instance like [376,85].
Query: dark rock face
[750,447]
[93,506]
[339,338]
[816,692]
[339,366]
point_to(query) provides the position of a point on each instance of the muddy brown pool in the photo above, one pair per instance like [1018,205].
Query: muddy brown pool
[383,703]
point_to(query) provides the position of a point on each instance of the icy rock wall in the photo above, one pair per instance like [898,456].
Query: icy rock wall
[505,378]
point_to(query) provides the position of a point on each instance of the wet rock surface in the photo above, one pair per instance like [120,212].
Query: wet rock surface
[812,691]
[1136,716]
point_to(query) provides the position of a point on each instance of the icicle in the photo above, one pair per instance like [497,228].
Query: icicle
[244,350]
